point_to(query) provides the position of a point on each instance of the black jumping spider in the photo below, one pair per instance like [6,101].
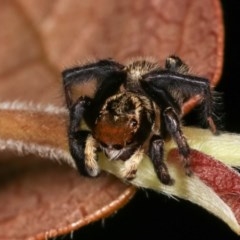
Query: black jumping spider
[128,108]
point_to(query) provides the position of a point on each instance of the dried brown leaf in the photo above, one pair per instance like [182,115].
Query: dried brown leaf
[38,39]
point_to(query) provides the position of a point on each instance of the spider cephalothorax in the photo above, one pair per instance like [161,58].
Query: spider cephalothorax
[123,124]
[128,108]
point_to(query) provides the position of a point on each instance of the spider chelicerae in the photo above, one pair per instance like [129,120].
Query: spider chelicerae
[130,111]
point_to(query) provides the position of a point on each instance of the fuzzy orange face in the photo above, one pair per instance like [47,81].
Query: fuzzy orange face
[122,125]
[115,132]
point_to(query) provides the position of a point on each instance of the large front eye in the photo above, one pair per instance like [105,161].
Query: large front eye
[133,123]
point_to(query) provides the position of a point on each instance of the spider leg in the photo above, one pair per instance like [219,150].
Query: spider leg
[79,75]
[170,111]
[106,76]
[161,97]
[156,154]
[181,87]
[81,143]
[173,127]
[109,86]
[175,64]
[131,165]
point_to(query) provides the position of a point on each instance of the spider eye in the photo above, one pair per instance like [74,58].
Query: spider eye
[133,123]
[117,146]
[112,106]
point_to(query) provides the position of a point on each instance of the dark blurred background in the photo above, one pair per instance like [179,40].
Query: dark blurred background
[151,215]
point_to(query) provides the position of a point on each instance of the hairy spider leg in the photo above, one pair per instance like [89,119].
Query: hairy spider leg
[131,165]
[156,155]
[175,64]
[98,70]
[162,86]
[171,125]
[81,143]
[78,138]
[182,87]
[109,86]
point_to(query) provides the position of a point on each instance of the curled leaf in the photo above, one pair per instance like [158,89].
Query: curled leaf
[214,185]
[57,196]
[40,38]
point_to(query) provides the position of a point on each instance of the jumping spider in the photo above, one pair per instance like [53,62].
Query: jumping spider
[129,107]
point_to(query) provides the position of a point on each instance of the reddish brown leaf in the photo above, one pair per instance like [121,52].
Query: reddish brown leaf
[56,196]
[38,39]
[222,179]
[37,201]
